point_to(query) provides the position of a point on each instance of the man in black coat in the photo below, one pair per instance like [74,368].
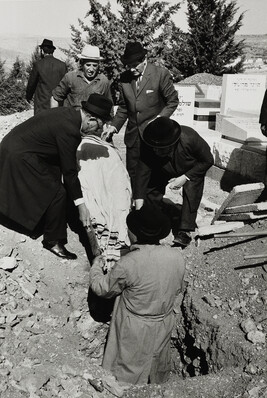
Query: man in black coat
[34,157]
[175,155]
[44,77]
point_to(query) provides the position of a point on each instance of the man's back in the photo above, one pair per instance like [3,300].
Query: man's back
[45,76]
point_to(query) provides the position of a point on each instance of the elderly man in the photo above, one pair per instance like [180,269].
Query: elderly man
[76,86]
[175,155]
[44,77]
[34,157]
[146,92]
[146,281]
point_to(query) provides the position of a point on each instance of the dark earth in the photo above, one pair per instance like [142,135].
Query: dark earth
[50,346]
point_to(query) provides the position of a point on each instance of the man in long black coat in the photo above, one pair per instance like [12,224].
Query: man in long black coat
[173,154]
[44,77]
[34,157]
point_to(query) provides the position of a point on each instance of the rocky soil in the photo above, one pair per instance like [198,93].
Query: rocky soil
[51,347]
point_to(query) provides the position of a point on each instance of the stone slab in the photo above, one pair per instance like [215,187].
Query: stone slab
[219,228]
[242,92]
[244,160]
[207,103]
[242,216]
[240,195]
[184,112]
[242,130]
[253,207]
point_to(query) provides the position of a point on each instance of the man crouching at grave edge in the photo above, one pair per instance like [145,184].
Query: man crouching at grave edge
[178,156]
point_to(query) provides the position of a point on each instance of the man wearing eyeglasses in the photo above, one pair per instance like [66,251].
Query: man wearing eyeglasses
[146,92]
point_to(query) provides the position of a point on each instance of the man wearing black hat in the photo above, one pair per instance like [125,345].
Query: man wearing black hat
[175,155]
[34,157]
[146,92]
[44,77]
[146,281]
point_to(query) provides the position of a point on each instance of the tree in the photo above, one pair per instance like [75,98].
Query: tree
[35,56]
[138,20]
[12,89]
[18,71]
[211,40]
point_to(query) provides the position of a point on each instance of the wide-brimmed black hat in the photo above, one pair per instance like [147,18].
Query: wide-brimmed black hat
[149,224]
[134,52]
[47,43]
[98,105]
[162,132]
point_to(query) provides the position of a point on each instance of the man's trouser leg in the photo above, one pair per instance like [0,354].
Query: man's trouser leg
[55,224]
[132,158]
[192,194]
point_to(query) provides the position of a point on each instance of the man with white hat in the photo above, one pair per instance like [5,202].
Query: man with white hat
[76,86]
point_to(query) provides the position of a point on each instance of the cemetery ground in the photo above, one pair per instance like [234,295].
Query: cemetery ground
[50,347]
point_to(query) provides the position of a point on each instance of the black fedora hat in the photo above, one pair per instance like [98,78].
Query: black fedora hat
[98,105]
[134,52]
[162,132]
[47,43]
[149,224]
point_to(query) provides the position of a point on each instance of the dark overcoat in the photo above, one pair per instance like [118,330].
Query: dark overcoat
[156,96]
[33,158]
[44,77]
[192,157]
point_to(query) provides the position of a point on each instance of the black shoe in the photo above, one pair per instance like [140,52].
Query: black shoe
[182,238]
[59,250]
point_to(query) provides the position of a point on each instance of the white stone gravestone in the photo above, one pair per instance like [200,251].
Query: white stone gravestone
[242,94]
[184,113]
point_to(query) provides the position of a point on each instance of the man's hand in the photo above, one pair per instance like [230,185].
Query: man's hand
[138,203]
[108,132]
[178,182]
[264,130]
[84,215]
[98,261]
[53,103]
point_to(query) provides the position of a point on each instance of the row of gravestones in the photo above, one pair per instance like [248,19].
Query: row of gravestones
[232,109]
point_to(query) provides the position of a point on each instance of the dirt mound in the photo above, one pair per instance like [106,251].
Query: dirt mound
[203,78]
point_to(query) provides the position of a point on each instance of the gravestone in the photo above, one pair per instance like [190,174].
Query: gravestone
[184,113]
[242,94]
[241,101]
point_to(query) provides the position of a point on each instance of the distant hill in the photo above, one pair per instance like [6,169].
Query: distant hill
[255,45]
[23,47]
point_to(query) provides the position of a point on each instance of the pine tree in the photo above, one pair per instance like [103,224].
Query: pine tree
[211,39]
[138,20]
[12,90]
[35,56]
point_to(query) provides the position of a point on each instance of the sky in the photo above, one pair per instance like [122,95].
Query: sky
[52,18]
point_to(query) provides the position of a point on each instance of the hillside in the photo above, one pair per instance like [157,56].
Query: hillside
[23,47]
[255,45]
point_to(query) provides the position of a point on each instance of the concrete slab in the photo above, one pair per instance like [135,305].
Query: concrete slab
[253,207]
[208,230]
[240,195]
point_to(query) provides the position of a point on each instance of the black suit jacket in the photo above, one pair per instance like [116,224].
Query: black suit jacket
[156,96]
[44,77]
[192,157]
[33,158]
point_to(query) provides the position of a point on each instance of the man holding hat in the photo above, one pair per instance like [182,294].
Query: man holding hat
[146,281]
[44,77]
[146,92]
[76,86]
[175,155]
[34,157]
